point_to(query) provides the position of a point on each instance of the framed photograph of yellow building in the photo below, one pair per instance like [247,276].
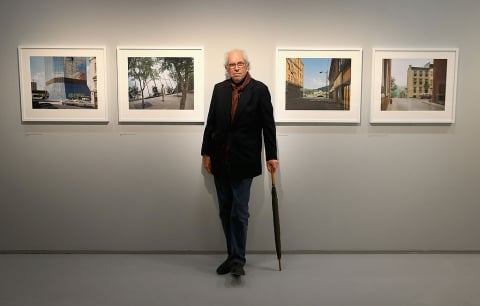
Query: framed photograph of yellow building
[414,85]
[318,85]
[62,84]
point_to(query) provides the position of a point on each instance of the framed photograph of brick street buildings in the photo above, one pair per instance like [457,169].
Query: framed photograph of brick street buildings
[62,84]
[318,85]
[414,85]
[160,85]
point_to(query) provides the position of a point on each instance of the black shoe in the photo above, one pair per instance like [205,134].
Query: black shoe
[237,270]
[224,268]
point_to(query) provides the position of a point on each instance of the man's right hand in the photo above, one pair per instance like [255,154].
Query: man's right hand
[207,163]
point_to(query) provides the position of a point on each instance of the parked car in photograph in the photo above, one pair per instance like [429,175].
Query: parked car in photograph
[37,96]
[82,102]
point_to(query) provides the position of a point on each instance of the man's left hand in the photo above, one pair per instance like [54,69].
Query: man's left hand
[272,165]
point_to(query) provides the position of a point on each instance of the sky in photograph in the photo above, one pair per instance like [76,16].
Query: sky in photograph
[400,67]
[37,70]
[312,68]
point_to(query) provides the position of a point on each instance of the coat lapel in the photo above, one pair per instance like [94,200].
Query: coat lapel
[227,104]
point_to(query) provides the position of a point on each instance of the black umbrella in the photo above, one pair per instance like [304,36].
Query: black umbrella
[276,222]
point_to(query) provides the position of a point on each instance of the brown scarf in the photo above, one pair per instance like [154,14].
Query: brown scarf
[237,90]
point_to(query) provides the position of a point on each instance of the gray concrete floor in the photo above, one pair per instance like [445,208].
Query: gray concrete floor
[306,279]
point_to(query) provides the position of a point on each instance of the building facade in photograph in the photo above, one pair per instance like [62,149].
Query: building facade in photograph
[66,77]
[340,78]
[439,81]
[92,81]
[428,82]
[386,83]
[420,81]
[295,70]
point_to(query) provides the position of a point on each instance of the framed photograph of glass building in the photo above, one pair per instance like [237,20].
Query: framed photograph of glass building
[318,85]
[160,85]
[62,84]
[414,85]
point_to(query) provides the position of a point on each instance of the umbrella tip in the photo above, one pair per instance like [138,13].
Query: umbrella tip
[279,265]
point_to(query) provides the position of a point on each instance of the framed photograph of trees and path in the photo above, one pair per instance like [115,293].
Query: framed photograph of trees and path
[160,85]
[414,85]
[318,85]
[62,84]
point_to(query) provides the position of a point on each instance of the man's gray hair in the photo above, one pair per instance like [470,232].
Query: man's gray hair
[244,54]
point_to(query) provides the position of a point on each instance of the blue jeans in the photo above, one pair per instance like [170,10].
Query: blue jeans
[233,197]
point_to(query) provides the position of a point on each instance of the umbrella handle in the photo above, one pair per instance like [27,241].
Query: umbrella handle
[273,177]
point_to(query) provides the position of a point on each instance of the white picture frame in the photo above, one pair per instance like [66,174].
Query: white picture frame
[302,97]
[414,85]
[140,95]
[63,84]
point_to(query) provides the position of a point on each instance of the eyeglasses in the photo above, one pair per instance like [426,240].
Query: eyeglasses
[233,65]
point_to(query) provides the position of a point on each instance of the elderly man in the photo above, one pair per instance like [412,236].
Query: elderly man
[240,112]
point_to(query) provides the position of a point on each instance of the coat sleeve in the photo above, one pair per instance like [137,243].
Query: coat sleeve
[207,145]
[268,126]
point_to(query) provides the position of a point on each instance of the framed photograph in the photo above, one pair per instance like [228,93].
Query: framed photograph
[318,85]
[62,84]
[160,85]
[414,85]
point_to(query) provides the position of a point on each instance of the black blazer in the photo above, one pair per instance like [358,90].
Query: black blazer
[235,147]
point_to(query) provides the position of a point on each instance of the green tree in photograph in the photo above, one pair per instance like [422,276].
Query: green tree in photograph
[393,88]
[141,70]
[182,73]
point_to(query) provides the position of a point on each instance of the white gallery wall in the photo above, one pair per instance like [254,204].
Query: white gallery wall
[141,187]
